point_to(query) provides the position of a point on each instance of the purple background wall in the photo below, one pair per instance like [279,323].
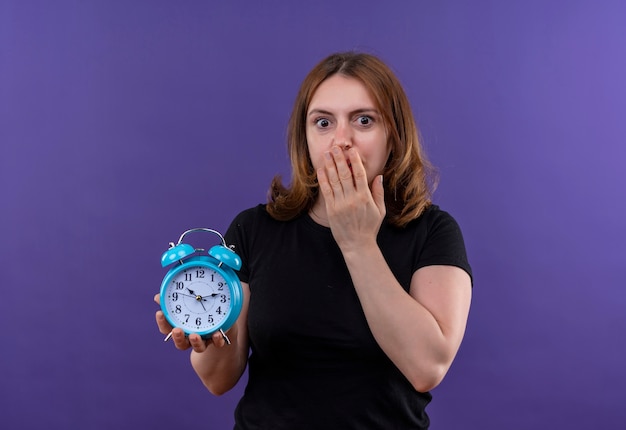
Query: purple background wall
[124,123]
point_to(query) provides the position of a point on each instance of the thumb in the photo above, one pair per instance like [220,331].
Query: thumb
[378,193]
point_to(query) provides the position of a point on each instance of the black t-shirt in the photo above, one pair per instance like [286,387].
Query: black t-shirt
[314,363]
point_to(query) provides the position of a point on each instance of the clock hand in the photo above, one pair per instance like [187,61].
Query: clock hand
[188,295]
[198,297]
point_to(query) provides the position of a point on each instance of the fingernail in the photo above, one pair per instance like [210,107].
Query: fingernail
[327,155]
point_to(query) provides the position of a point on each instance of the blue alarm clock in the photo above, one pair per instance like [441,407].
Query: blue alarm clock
[201,293]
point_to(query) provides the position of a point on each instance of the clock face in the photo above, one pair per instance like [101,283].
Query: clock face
[197,299]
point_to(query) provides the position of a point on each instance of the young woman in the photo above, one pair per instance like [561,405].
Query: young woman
[356,287]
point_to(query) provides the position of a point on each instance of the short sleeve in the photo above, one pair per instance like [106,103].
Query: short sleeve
[238,236]
[444,244]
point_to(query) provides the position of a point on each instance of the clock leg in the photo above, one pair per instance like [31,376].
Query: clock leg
[226,339]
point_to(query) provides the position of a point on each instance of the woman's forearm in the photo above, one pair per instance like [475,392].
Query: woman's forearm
[220,369]
[220,366]
[419,331]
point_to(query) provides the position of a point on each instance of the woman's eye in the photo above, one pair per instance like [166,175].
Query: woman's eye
[364,120]
[322,122]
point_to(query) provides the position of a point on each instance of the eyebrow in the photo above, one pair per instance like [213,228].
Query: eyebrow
[354,112]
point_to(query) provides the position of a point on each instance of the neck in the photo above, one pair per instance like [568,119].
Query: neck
[318,213]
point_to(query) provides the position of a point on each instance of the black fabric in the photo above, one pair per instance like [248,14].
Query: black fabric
[314,363]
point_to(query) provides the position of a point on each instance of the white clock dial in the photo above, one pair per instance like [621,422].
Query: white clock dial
[197,299]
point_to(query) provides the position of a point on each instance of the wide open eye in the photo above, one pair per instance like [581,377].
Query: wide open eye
[322,122]
[364,120]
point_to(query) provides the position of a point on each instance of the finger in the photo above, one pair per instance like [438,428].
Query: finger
[157,298]
[164,326]
[343,169]
[359,174]
[378,193]
[197,343]
[180,340]
[330,169]
[218,339]
[322,181]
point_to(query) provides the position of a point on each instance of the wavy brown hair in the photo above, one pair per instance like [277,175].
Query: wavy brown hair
[409,178]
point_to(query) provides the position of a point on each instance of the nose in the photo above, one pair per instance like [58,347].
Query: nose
[343,136]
